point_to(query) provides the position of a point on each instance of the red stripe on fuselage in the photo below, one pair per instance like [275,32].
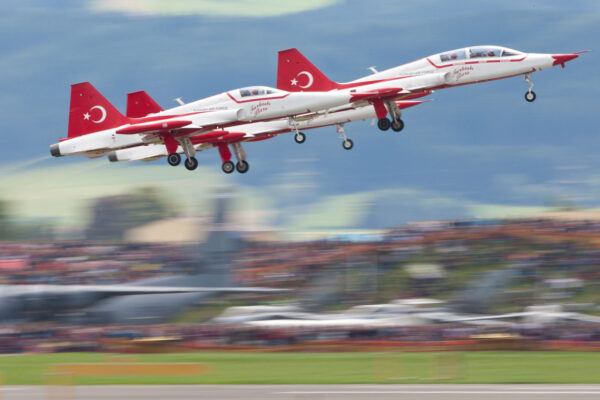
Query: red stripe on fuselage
[474,62]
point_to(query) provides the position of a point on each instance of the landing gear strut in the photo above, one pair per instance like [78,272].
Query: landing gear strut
[242,165]
[346,143]
[397,125]
[191,163]
[190,151]
[225,154]
[382,109]
[530,94]
[299,137]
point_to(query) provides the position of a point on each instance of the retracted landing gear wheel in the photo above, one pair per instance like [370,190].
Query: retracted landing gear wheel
[530,96]
[348,144]
[228,167]
[300,137]
[174,159]
[384,124]
[397,125]
[191,163]
[242,166]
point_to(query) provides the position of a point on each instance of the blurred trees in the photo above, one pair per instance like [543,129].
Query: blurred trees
[5,223]
[112,216]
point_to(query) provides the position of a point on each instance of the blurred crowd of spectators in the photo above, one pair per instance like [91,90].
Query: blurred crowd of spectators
[88,263]
[159,338]
[557,261]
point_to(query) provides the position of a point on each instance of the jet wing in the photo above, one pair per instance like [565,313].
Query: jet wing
[153,127]
[378,94]
[184,127]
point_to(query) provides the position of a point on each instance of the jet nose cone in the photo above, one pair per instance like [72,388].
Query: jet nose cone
[563,58]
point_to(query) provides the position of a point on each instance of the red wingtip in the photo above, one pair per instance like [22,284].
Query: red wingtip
[563,58]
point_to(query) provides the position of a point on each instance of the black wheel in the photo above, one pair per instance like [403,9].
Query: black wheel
[228,167]
[348,144]
[242,166]
[191,163]
[300,137]
[384,124]
[530,96]
[397,125]
[174,159]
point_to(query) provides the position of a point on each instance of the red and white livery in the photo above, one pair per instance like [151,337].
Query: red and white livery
[96,127]
[418,78]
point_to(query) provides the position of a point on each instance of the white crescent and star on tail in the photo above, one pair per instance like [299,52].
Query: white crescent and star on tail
[294,81]
[87,116]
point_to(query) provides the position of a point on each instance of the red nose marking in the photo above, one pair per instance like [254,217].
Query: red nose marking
[563,58]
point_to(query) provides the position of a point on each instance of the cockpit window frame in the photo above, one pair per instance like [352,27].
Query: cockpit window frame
[255,91]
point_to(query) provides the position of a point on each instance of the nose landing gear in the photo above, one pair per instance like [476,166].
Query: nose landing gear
[347,144]
[299,137]
[530,94]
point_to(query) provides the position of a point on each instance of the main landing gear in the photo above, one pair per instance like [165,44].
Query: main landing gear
[174,159]
[530,94]
[191,163]
[384,123]
[228,167]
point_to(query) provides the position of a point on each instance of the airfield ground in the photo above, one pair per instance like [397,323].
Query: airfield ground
[320,368]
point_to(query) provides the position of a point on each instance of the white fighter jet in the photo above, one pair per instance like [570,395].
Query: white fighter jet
[96,127]
[443,70]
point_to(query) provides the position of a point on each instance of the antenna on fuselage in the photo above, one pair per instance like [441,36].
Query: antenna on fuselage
[372,69]
[179,101]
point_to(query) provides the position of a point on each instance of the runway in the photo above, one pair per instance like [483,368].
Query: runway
[305,392]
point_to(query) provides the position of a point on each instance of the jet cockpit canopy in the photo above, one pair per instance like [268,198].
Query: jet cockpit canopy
[477,52]
[257,91]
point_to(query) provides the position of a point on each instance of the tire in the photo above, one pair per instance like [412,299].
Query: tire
[300,137]
[174,159]
[384,124]
[530,96]
[228,167]
[348,144]
[242,167]
[191,163]
[397,125]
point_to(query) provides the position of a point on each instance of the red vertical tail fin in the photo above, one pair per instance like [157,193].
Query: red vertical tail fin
[295,74]
[140,104]
[90,112]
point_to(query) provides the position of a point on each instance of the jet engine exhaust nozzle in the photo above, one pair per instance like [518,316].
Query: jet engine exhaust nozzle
[55,150]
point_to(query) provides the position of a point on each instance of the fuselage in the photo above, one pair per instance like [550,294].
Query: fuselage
[454,68]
